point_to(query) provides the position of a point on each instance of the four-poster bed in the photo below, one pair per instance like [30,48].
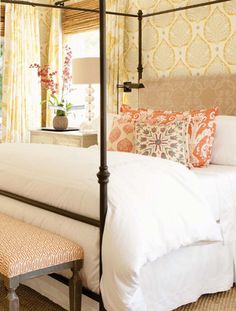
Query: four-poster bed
[103,175]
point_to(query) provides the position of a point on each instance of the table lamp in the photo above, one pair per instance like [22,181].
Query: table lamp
[87,71]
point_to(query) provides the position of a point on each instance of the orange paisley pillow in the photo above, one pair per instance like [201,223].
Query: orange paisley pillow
[166,117]
[202,130]
[129,114]
[127,108]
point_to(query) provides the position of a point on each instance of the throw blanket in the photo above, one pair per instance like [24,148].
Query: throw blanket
[155,206]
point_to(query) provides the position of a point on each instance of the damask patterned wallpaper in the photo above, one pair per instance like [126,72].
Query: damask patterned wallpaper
[198,42]
[195,42]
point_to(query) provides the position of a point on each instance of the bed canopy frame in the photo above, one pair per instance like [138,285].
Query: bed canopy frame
[103,174]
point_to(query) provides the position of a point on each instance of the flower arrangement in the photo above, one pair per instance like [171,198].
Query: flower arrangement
[48,81]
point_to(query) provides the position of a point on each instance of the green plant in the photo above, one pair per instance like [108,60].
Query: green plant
[62,108]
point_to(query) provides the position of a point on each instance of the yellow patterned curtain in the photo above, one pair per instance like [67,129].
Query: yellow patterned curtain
[21,90]
[115,51]
[55,53]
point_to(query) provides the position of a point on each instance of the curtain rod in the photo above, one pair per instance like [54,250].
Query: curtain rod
[62,7]
[193,6]
[65,7]
[161,12]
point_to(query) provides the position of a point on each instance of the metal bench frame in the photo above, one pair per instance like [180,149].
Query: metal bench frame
[75,285]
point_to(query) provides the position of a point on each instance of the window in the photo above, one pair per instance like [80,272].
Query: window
[83,44]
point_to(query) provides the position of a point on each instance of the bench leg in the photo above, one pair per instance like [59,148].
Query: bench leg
[75,290]
[13,300]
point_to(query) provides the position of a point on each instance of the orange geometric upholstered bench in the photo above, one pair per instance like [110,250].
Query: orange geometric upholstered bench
[27,252]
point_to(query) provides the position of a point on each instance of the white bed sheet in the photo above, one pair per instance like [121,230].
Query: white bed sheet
[182,276]
[177,220]
[219,187]
[188,273]
[175,286]
[192,271]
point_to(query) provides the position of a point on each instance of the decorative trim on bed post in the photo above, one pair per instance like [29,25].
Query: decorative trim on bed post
[103,174]
[140,43]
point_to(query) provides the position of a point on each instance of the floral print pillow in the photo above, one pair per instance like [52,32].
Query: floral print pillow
[121,137]
[167,141]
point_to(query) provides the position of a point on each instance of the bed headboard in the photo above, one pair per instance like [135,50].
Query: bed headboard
[190,93]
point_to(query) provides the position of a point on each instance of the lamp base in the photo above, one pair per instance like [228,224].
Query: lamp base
[90,106]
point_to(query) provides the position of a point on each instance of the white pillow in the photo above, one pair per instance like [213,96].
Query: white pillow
[224,147]
[96,125]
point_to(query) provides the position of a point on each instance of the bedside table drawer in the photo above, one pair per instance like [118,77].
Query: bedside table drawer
[68,141]
[41,139]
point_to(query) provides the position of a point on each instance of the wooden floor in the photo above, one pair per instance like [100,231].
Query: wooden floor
[32,301]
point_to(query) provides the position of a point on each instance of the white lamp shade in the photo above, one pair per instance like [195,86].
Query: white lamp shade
[86,70]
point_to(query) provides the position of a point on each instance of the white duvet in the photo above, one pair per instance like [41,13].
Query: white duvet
[155,206]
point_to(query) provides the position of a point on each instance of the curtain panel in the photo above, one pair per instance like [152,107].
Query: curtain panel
[21,90]
[115,51]
[55,55]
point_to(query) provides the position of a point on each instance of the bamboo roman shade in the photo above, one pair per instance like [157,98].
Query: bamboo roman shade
[2,19]
[78,21]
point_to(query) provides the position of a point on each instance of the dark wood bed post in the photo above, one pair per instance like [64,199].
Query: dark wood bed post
[103,174]
[140,44]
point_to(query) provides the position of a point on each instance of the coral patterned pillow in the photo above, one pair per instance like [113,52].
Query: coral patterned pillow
[121,137]
[129,114]
[201,136]
[166,117]
[201,129]
[127,108]
[152,116]
[201,132]
[168,141]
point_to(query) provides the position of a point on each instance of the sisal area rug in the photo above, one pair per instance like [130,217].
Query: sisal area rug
[32,301]
[29,301]
[225,301]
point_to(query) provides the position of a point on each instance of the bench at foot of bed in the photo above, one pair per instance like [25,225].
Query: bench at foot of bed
[27,252]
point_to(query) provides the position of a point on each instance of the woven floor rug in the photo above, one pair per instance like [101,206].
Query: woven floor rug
[32,301]
[29,301]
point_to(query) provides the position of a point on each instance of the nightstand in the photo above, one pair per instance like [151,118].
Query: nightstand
[72,139]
